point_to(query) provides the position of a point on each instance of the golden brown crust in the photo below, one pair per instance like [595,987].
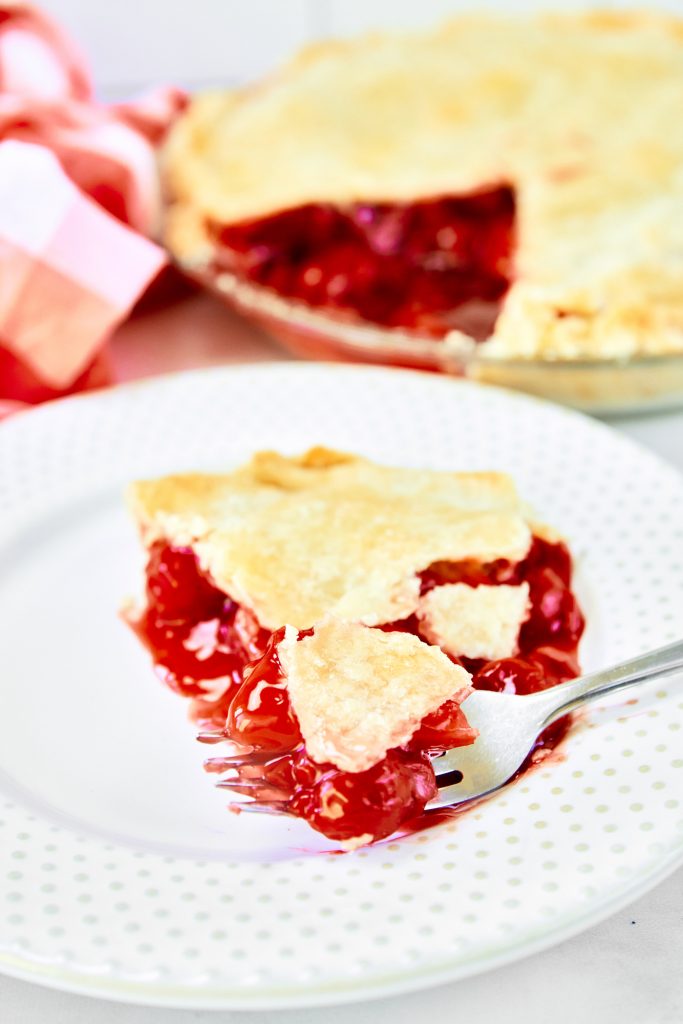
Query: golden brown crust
[297,540]
[579,112]
[359,692]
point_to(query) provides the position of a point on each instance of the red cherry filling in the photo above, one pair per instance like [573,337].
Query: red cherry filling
[341,805]
[373,804]
[176,593]
[429,266]
[445,728]
[201,641]
[260,714]
[548,640]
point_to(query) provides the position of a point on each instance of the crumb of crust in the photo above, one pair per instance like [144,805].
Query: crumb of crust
[130,609]
[358,692]
[545,532]
[349,845]
[475,622]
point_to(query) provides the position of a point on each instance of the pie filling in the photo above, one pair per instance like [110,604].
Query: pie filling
[430,266]
[212,650]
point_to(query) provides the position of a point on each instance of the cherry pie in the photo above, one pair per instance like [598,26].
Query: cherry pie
[516,182]
[328,616]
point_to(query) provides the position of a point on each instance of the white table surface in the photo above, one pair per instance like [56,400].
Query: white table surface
[627,970]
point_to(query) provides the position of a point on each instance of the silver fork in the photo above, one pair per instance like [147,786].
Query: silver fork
[508,726]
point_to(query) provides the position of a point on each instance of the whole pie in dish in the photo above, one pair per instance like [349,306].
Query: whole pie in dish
[327,617]
[515,182]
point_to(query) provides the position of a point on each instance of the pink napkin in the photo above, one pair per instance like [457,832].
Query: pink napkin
[79,191]
[70,271]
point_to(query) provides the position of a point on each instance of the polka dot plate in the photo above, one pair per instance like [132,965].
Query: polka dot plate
[122,873]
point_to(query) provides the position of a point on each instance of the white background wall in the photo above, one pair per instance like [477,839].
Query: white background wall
[133,43]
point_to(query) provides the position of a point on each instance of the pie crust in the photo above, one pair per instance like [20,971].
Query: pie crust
[358,692]
[578,113]
[297,540]
[475,622]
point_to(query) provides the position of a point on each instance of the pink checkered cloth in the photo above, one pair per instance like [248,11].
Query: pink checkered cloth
[79,201]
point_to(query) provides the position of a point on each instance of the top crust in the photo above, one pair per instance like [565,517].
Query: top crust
[597,167]
[327,534]
[358,692]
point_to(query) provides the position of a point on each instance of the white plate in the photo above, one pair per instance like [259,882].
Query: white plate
[122,875]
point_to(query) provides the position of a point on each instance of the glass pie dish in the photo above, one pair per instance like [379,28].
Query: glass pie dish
[450,200]
[602,386]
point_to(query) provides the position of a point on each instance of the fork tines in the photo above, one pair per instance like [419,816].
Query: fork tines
[262,807]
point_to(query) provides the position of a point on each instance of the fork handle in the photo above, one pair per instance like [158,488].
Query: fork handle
[559,700]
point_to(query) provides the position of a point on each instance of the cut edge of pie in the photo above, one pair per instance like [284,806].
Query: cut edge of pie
[599,189]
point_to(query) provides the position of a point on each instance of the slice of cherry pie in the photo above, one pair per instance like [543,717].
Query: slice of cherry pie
[511,181]
[327,616]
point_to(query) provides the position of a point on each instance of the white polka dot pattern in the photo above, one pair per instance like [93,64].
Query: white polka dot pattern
[541,859]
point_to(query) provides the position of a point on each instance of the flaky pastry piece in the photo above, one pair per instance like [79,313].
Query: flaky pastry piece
[297,540]
[358,692]
[475,622]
